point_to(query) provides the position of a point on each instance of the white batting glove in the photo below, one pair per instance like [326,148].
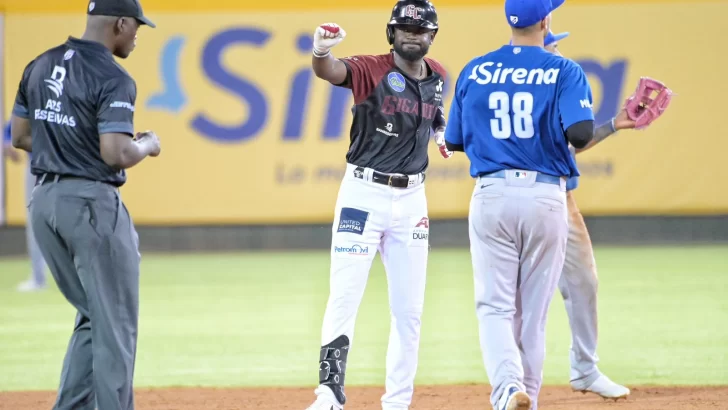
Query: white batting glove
[440,141]
[325,37]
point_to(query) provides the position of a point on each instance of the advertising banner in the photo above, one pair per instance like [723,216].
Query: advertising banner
[250,135]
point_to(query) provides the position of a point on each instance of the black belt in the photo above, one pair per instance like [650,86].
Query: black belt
[396,181]
[51,177]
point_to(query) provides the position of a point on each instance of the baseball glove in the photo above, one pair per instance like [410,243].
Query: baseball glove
[642,108]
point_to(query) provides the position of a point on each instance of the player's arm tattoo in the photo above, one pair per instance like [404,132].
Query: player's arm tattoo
[600,134]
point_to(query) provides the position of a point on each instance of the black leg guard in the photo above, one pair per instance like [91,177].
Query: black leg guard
[332,366]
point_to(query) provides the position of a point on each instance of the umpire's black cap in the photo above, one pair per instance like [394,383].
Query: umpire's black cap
[119,8]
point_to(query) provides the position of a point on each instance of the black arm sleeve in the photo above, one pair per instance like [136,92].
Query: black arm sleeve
[580,134]
[454,147]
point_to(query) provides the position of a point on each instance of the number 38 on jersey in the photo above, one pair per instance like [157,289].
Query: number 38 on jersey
[513,114]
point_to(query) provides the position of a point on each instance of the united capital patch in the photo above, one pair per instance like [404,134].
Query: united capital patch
[352,220]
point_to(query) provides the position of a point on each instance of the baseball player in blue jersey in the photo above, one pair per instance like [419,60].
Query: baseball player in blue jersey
[37,281]
[514,114]
[578,281]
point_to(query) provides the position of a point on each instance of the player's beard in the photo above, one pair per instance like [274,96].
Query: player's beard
[410,53]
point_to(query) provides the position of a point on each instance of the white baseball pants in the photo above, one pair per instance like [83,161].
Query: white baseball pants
[371,217]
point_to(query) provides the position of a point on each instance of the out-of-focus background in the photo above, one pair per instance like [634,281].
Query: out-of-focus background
[234,216]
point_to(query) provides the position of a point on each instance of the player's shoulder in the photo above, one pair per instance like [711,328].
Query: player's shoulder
[53,52]
[488,58]
[436,66]
[112,74]
[116,69]
[568,69]
[573,66]
[555,61]
[479,62]
[45,57]
[473,63]
[40,61]
[479,59]
[564,62]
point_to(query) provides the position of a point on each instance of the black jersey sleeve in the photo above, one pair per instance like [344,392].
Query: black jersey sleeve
[116,106]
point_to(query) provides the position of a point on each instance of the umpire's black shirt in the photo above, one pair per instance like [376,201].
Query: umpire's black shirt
[72,94]
[393,113]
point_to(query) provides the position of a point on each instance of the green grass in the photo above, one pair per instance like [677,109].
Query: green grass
[255,320]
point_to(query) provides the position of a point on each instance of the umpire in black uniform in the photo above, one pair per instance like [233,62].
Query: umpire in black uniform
[74,111]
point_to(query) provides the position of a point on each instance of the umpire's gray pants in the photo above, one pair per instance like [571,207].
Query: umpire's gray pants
[518,232]
[89,242]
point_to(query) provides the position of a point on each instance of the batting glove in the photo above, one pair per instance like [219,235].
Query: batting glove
[325,37]
[440,141]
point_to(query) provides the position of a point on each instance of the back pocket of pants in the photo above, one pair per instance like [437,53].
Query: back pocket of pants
[553,204]
[486,195]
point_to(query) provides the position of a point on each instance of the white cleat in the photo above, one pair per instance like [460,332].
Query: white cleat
[30,286]
[513,398]
[605,388]
[323,403]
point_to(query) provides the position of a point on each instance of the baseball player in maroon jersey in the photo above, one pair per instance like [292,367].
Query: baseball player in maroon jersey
[381,204]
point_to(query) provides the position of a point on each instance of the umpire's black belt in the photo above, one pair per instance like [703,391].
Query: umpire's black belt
[48,177]
[393,180]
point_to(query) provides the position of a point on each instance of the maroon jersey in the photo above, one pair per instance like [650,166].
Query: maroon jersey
[393,114]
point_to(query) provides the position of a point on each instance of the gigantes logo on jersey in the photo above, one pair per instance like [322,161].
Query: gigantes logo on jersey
[392,104]
[482,75]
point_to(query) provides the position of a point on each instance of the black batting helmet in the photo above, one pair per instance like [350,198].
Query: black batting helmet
[420,13]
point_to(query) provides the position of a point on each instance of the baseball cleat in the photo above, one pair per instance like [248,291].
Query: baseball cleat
[513,398]
[323,403]
[605,388]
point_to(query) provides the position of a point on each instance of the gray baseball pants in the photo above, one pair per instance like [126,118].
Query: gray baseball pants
[89,242]
[518,233]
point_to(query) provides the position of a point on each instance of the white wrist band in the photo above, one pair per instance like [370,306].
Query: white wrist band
[319,55]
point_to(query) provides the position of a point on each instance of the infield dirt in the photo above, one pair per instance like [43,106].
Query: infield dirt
[463,397]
